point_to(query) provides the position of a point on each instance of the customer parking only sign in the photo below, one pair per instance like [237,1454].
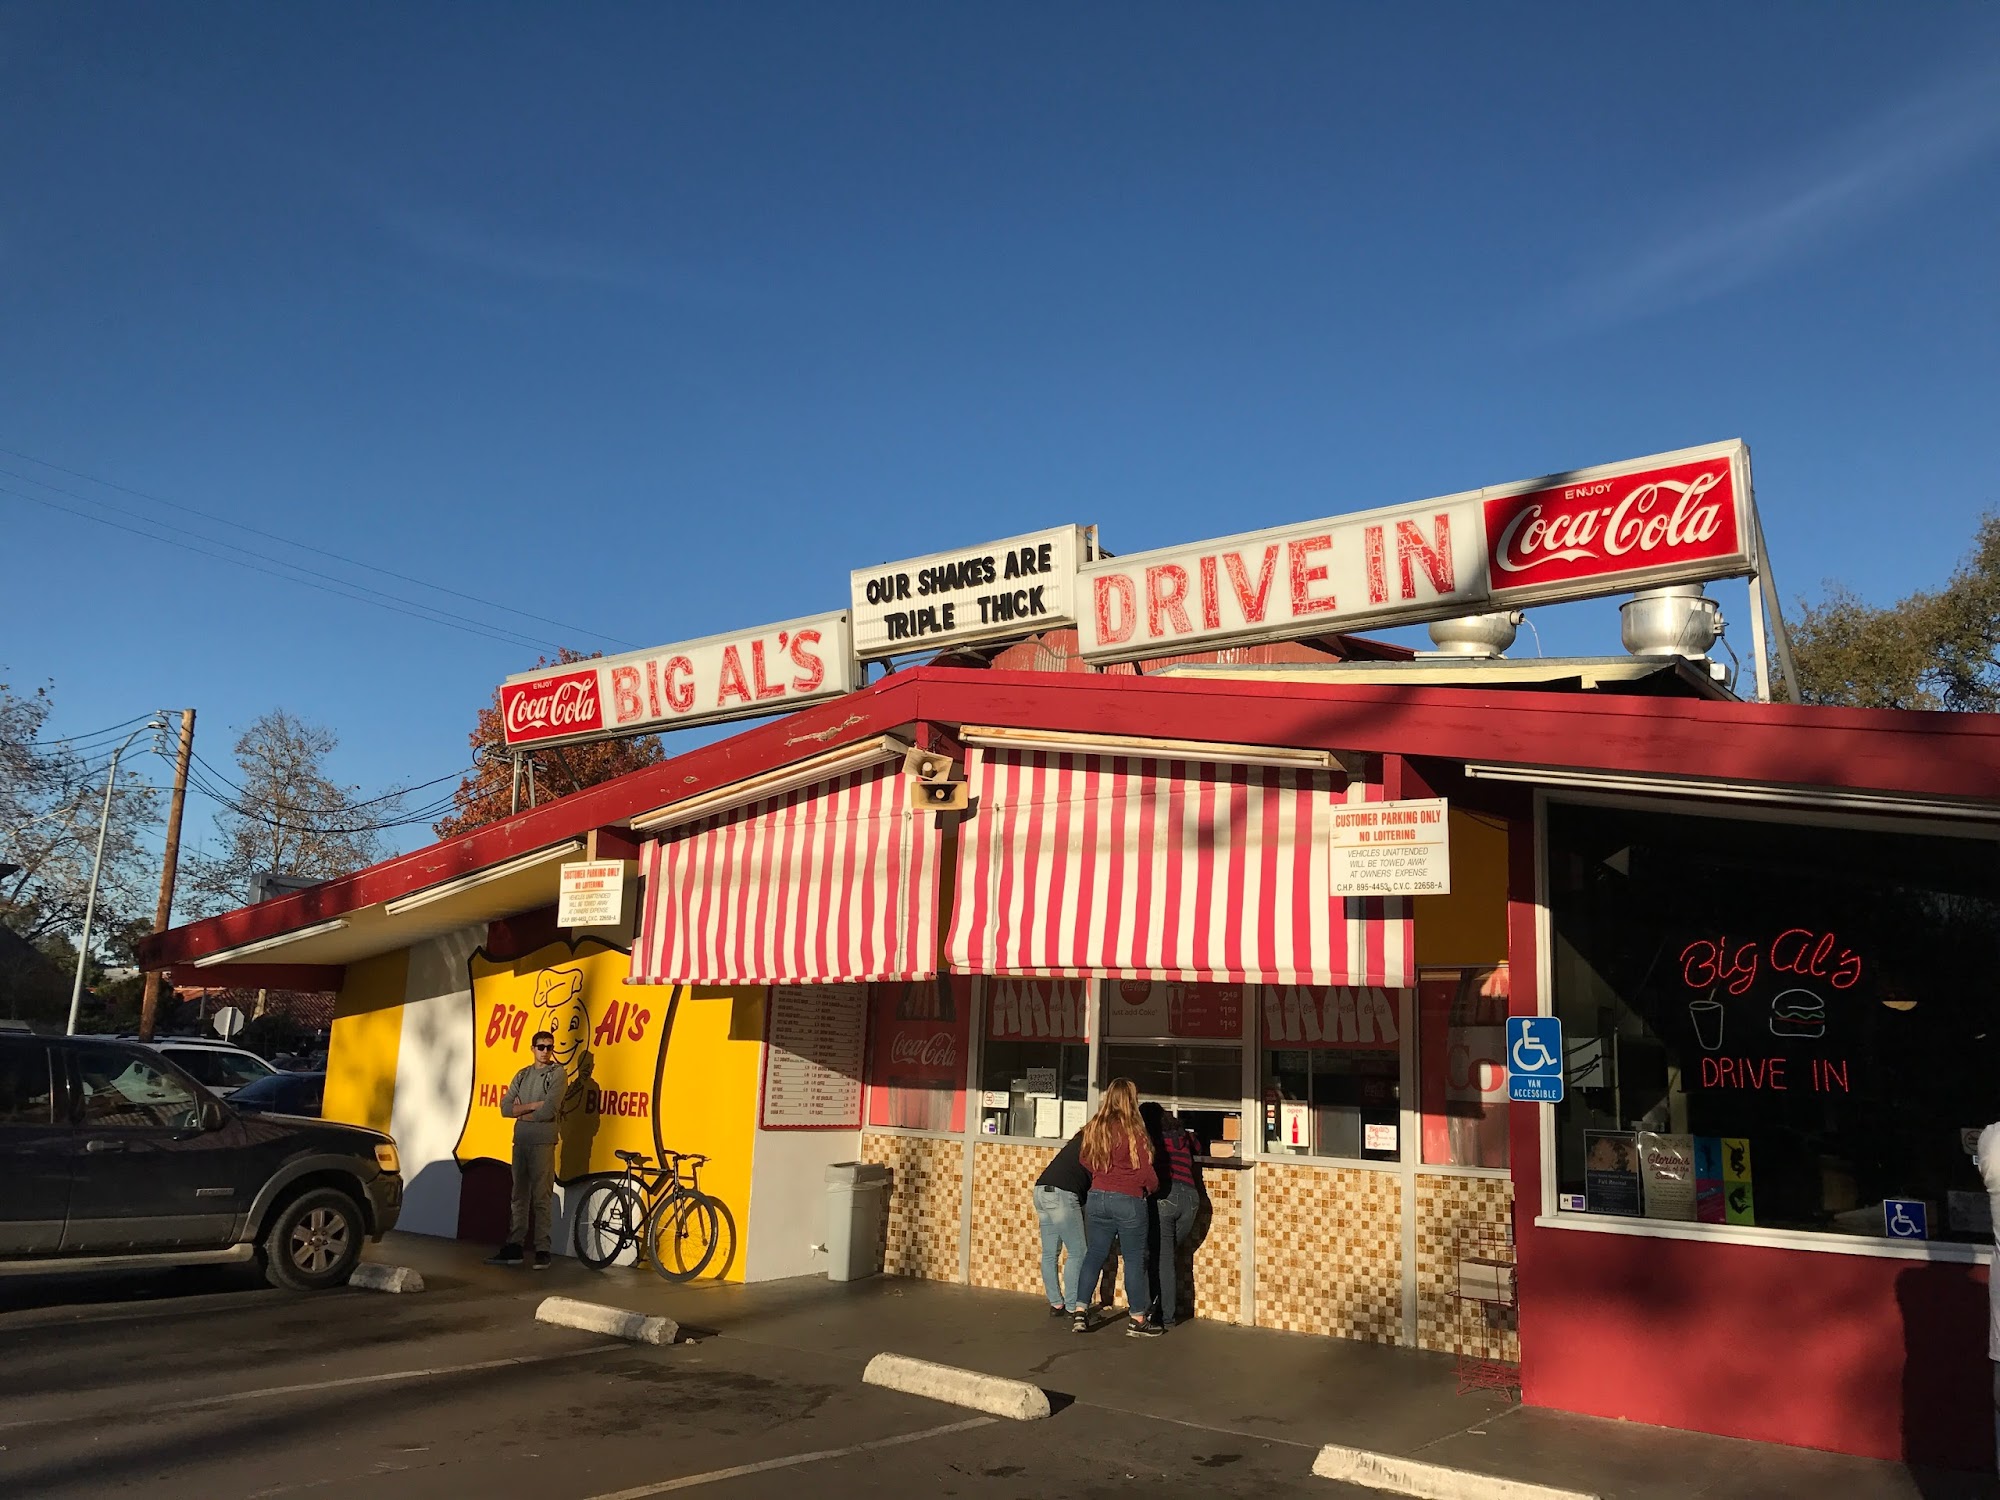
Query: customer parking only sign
[1534,1059]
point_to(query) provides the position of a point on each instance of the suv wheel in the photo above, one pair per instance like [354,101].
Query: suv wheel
[314,1241]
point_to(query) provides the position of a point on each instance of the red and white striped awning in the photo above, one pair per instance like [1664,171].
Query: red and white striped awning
[1145,867]
[830,883]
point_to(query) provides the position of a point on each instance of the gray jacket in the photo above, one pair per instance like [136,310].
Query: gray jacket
[542,1084]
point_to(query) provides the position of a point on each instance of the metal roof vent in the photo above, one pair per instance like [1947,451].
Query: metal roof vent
[1677,620]
[1476,635]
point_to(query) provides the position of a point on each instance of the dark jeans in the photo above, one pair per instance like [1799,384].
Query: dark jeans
[1176,1211]
[1109,1217]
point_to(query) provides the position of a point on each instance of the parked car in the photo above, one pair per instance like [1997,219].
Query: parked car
[283,1094]
[112,1155]
[222,1067]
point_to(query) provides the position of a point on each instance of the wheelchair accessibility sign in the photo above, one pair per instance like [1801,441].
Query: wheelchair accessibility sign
[1534,1059]
[1906,1219]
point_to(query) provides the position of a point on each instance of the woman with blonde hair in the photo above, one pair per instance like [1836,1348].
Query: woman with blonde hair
[1118,1154]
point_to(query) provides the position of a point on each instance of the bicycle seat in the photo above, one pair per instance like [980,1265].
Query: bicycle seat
[633,1158]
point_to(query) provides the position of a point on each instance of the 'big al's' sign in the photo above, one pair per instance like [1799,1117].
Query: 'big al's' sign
[1596,531]
[763,671]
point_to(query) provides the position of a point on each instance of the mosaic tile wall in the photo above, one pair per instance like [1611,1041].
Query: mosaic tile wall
[1454,1214]
[1006,1240]
[1007,1244]
[1218,1259]
[1329,1251]
[923,1203]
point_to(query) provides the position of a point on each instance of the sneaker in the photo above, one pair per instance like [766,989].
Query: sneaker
[1147,1330]
[542,1259]
[1058,1312]
[1079,1322]
[506,1255]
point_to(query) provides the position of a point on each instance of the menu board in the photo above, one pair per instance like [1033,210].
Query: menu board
[813,1038]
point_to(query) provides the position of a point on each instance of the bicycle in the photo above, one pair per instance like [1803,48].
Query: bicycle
[660,1207]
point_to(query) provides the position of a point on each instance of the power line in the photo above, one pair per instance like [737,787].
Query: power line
[323,582]
[303,546]
[95,734]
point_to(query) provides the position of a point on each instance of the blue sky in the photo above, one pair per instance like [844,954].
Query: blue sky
[657,320]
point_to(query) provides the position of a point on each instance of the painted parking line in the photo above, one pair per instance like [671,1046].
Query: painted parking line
[271,1392]
[716,1476]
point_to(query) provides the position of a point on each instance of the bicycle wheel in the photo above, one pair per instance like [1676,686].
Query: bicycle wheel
[684,1234]
[608,1221]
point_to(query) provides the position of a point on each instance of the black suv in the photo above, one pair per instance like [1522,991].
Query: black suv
[110,1155]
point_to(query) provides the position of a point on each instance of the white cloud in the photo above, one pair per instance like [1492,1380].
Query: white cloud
[1777,215]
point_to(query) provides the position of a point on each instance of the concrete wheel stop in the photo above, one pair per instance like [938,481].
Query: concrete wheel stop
[596,1317]
[1427,1481]
[993,1394]
[370,1277]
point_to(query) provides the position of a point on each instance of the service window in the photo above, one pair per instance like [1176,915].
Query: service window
[1034,1071]
[1332,1070]
[1779,1024]
[1462,1066]
[1181,1043]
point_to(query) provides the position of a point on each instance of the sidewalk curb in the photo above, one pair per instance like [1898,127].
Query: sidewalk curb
[370,1277]
[988,1393]
[595,1317]
[1411,1476]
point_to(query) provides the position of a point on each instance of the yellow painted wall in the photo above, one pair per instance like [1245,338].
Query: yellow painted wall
[1470,925]
[708,1097]
[367,1035]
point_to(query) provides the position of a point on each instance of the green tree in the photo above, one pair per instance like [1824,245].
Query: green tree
[1932,650]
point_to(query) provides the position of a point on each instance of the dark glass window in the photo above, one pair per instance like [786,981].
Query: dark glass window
[26,1097]
[1773,1023]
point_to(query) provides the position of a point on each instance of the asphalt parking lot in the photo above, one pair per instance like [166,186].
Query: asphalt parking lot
[208,1384]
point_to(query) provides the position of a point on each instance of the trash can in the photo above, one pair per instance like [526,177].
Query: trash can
[857,1203]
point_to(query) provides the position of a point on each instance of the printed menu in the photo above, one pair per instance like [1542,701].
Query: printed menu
[812,1057]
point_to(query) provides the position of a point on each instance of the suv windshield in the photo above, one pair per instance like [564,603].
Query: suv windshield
[220,1069]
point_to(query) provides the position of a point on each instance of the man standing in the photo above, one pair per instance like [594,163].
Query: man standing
[532,1101]
[1986,1156]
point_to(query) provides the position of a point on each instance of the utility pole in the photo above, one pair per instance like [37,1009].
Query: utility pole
[97,870]
[164,913]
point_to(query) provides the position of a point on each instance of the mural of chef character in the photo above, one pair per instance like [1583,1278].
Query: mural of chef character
[609,1039]
[559,1010]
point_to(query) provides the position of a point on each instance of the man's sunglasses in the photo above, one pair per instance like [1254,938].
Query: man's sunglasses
[543,1046]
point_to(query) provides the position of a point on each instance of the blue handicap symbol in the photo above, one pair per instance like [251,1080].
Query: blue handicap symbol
[1906,1218]
[1535,1059]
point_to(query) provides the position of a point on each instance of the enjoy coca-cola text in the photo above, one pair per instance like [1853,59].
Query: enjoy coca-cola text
[1611,526]
[552,707]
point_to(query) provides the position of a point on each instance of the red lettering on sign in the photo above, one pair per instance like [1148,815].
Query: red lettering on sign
[625,706]
[1253,602]
[764,689]
[1166,587]
[733,681]
[678,675]
[1211,601]
[1113,626]
[812,671]
[1306,573]
[1378,569]
[1414,551]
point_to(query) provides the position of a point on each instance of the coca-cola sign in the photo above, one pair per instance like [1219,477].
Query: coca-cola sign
[1667,518]
[551,708]
[937,1050]
[732,676]
[1679,518]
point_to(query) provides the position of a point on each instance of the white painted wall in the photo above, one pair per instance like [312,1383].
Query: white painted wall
[434,1079]
[788,1199]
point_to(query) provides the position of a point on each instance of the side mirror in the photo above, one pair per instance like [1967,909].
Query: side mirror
[213,1115]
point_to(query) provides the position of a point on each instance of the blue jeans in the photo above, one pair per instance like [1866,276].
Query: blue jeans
[1176,1211]
[1123,1218]
[1061,1218]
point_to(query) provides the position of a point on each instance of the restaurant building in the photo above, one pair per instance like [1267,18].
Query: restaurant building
[1296,886]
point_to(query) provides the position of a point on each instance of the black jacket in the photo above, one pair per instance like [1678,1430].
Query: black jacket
[1067,1171]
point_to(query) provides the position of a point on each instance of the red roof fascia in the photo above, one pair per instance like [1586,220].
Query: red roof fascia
[873,710]
[1916,754]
